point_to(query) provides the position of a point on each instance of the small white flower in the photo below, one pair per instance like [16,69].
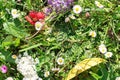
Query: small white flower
[14,13]
[9,78]
[72,16]
[108,54]
[77,9]
[67,19]
[14,56]
[92,34]
[60,61]
[117,78]
[46,74]
[98,4]
[55,69]
[38,25]
[102,48]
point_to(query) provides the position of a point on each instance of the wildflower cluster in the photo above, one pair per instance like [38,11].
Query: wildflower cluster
[36,19]
[26,66]
[63,37]
[103,50]
[60,5]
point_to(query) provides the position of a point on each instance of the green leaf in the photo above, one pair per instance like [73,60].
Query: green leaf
[31,47]
[17,42]
[9,40]
[13,30]
[96,76]
[7,56]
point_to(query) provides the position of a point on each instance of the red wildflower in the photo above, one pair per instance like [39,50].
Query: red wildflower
[34,16]
[40,15]
[29,20]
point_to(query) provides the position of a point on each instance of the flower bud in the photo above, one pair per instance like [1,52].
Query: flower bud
[87,14]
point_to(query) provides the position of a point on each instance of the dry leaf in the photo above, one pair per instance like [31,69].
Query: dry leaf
[83,66]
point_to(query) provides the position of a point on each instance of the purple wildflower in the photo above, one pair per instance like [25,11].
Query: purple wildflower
[60,5]
[47,10]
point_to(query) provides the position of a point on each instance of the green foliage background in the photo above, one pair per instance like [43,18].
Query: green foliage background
[68,40]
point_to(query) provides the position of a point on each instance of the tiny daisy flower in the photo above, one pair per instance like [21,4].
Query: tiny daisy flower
[108,54]
[60,61]
[4,69]
[38,25]
[14,13]
[92,34]
[102,48]
[14,56]
[46,74]
[9,78]
[77,9]
[98,4]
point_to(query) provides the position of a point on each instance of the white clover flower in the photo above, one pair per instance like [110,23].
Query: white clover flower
[77,9]
[38,25]
[9,78]
[98,4]
[32,78]
[92,34]
[46,74]
[39,78]
[60,61]
[117,78]
[14,13]
[108,54]
[102,48]
[25,53]
[26,66]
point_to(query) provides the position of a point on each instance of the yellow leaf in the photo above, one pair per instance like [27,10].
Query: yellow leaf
[82,66]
